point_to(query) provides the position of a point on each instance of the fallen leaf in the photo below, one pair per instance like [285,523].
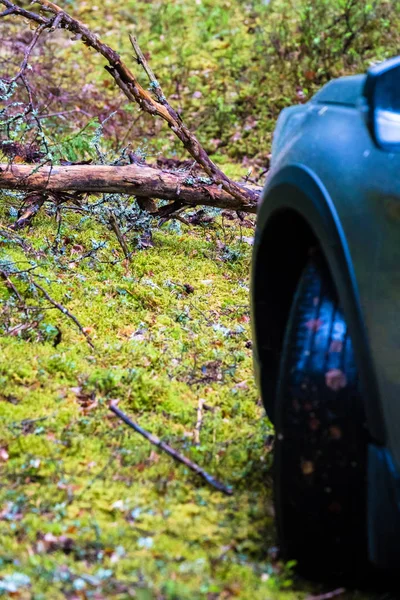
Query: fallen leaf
[335,379]
[307,467]
[4,455]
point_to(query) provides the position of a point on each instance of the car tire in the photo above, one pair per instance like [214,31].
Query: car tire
[321,439]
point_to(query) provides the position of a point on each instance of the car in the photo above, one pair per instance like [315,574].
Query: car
[326,323]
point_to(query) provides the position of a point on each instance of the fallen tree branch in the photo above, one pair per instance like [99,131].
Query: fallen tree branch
[132,89]
[174,453]
[136,180]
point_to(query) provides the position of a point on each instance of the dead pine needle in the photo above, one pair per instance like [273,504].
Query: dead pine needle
[153,439]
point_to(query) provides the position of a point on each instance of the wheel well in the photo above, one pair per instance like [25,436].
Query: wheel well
[297,215]
[287,242]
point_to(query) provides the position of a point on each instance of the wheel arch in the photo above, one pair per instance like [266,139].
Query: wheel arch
[297,216]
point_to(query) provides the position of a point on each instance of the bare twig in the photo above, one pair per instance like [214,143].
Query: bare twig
[176,217]
[141,59]
[17,329]
[174,453]
[27,53]
[13,9]
[328,595]
[63,113]
[16,293]
[16,239]
[118,233]
[199,423]
[28,422]
[65,311]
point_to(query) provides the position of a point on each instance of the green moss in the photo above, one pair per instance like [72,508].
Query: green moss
[78,474]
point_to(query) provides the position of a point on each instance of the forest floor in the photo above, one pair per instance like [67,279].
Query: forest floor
[88,508]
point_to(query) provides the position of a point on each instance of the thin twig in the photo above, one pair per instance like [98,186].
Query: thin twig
[168,209]
[141,59]
[39,30]
[10,285]
[25,422]
[328,595]
[63,113]
[65,311]
[174,453]
[199,423]
[118,233]
[17,329]
[16,239]
[177,218]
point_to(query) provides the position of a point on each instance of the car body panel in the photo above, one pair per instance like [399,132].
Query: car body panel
[329,140]
[297,188]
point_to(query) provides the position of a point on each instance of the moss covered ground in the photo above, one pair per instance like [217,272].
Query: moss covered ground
[88,509]
[86,504]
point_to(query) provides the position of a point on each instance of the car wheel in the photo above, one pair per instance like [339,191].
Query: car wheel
[321,439]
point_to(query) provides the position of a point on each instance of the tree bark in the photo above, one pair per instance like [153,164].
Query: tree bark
[135,180]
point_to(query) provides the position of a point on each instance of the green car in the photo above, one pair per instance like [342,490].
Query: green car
[326,323]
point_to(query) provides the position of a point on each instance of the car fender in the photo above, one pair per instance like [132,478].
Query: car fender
[297,215]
